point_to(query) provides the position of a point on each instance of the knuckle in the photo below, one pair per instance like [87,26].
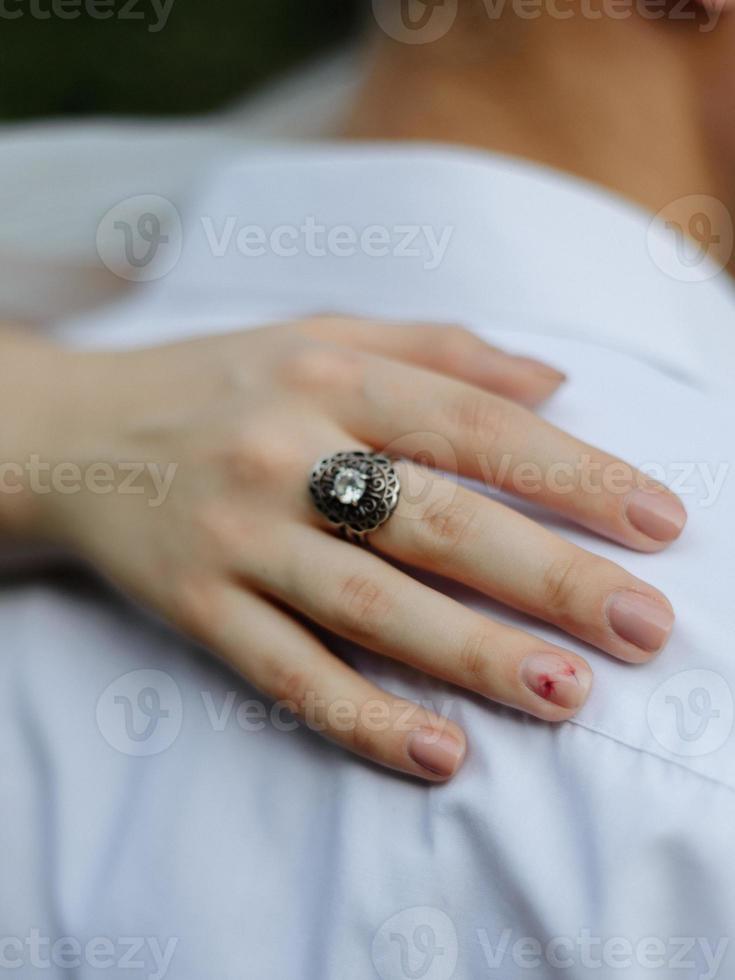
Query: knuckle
[362,607]
[316,366]
[560,586]
[480,417]
[475,659]
[260,454]
[291,688]
[366,742]
[445,527]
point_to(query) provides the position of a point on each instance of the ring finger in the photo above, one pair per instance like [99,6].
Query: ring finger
[447,529]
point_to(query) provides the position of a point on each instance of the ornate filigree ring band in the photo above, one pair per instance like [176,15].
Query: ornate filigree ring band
[356,491]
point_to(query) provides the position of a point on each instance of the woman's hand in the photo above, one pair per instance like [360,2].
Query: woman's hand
[223,539]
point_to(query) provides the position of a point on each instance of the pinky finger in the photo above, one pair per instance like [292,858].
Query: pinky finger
[287,663]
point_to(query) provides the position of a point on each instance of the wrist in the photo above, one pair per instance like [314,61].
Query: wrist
[47,403]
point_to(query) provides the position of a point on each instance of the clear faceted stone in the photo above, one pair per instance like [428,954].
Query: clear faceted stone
[349,486]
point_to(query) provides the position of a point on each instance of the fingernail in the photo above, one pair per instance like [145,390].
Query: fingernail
[540,368]
[555,679]
[657,514]
[437,752]
[640,620]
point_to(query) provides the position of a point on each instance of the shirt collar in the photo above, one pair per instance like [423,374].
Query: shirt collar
[426,231]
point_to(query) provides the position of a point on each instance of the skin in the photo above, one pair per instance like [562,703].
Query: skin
[653,124]
[237,556]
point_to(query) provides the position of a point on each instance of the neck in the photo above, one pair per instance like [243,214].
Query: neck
[614,102]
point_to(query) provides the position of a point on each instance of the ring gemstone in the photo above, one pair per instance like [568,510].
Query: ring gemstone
[349,486]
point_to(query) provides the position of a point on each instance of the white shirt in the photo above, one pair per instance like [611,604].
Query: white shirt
[603,845]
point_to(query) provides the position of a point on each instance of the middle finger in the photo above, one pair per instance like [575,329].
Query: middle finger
[406,410]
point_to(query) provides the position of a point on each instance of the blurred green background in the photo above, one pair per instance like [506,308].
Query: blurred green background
[206,53]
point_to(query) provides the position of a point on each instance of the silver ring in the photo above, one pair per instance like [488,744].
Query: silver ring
[355,491]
